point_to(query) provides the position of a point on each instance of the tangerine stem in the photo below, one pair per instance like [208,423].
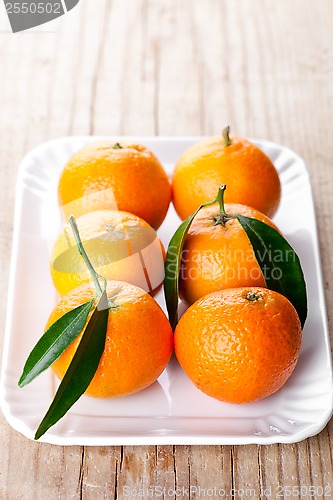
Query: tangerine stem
[226,136]
[223,217]
[220,199]
[82,251]
[251,296]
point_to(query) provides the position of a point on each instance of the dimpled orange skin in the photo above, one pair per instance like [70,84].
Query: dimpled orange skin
[117,237]
[236,350]
[216,257]
[129,178]
[249,174]
[138,345]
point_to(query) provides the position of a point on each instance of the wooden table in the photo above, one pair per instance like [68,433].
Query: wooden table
[169,67]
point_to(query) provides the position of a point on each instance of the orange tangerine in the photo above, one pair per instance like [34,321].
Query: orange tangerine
[120,245]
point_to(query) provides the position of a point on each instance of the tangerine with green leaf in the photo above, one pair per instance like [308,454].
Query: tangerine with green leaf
[217,253]
[138,343]
[105,339]
[239,345]
[250,175]
[115,175]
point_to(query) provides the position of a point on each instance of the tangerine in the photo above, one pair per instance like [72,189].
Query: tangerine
[138,344]
[217,253]
[120,246]
[250,175]
[239,345]
[107,175]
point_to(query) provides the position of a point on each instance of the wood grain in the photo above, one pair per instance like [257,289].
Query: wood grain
[176,67]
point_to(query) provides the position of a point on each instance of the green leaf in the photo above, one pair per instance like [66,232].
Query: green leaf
[172,265]
[279,263]
[82,368]
[54,342]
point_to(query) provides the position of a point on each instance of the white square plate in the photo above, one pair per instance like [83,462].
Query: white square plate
[171,411]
